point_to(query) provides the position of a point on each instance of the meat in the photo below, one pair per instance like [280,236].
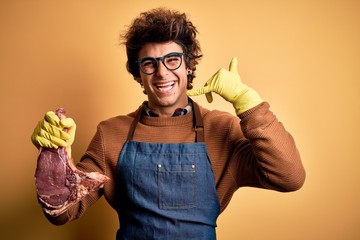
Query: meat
[59,184]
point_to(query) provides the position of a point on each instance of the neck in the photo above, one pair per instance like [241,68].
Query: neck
[163,111]
[166,111]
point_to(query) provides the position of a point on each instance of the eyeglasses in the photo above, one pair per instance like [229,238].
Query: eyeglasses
[171,61]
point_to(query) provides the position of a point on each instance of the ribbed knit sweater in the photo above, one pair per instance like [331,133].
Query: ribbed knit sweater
[252,150]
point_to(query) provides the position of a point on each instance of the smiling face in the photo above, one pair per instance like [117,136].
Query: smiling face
[166,89]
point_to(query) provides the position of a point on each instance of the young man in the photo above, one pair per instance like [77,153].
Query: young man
[174,165]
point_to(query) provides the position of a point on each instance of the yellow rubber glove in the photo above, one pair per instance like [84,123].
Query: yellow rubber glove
[52,132]
[227,83]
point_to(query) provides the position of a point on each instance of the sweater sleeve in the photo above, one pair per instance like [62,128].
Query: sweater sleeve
[271,159]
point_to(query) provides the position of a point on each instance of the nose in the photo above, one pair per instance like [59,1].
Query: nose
[162,70]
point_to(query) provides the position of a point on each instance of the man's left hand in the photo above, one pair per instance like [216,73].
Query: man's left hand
[227,84]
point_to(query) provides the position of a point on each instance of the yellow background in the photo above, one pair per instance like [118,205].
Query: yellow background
[302,56]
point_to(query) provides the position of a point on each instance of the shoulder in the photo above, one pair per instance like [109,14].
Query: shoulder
[217,116]
[117,124]
[116,120]
[119,119]
[217,121]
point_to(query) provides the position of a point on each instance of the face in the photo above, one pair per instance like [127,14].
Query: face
[166,89]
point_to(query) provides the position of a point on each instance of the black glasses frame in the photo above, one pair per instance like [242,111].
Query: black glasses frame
[162,59]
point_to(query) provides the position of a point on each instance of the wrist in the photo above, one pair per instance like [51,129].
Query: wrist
[246,100]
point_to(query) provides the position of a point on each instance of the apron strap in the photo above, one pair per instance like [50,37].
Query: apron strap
[134,123]
[198,123]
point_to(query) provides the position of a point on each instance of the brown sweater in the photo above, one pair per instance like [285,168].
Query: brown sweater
[255,151]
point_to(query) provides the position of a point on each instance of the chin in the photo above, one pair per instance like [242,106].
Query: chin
[164,101]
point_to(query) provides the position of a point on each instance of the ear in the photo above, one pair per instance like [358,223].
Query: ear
[138,79]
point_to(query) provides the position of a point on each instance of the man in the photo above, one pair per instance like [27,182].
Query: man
[173,164]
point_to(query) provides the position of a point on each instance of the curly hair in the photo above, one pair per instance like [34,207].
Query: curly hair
[157,26]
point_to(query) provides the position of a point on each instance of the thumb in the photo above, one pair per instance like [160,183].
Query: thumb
[233,65]
[69,124]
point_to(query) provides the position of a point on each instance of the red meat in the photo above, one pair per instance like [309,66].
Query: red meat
[59,184]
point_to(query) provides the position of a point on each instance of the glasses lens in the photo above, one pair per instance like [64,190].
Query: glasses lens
[148,65]
[173,61]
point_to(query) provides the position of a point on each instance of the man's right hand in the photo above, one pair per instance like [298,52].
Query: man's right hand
[50,132]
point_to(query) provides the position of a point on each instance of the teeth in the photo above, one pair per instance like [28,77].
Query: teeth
[164,86]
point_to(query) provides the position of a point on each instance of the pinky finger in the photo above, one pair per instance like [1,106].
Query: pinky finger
[43,142]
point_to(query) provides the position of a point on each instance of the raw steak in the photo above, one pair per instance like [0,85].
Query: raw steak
[59,184]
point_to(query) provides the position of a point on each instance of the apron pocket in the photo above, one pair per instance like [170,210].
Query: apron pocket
[176,186]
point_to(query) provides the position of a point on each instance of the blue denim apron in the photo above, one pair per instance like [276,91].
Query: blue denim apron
[166,190]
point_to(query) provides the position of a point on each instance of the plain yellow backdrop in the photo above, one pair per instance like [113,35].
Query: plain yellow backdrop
[302,56]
